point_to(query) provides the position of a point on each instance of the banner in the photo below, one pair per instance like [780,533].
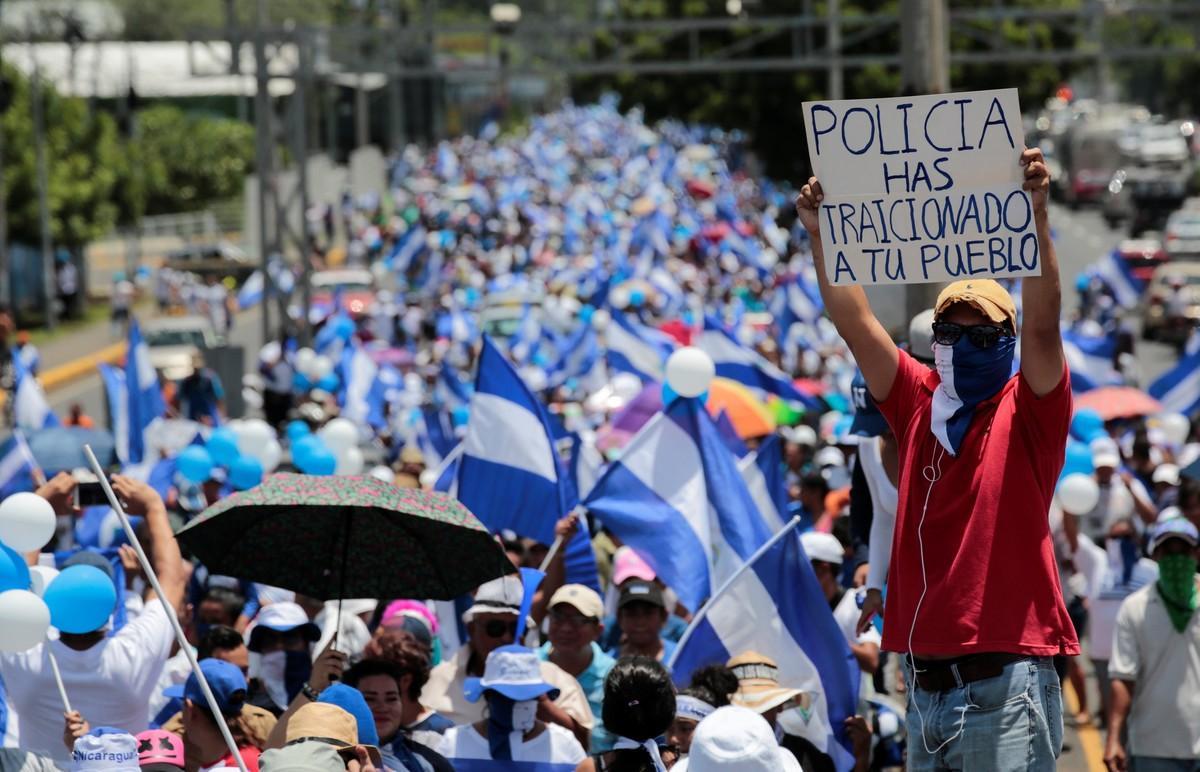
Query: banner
[922,189]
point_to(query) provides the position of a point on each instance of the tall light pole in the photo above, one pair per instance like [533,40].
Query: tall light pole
[262,158]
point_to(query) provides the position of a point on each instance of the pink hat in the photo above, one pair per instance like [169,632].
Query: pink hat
[627,564]
[157,746]
[409,608]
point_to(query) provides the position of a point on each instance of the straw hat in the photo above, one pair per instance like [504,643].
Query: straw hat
[758,684]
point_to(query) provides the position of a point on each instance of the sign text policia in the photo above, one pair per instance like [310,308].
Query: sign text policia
[922,189]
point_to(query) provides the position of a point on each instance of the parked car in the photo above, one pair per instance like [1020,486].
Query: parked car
[1172,307]
[1182,234]
[1143,256]
[173,340]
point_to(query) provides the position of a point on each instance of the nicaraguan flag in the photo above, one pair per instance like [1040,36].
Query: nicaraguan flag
[446,473]
[738,363]
[510,475]
[450,391]
[410,244]
[145,402]
[1090,360]
[360,384]
[762,469]
[17,467]
[1114,271]
[635,348]
[795,301]
[676,497]
[251,292]
[774,606]
[1178,389]
[730,436]
[31,409]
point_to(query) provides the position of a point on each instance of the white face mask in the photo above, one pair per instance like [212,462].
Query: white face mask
[270,671]
[524,715]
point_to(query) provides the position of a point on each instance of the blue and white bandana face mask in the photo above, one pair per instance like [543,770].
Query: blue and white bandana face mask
[969,376]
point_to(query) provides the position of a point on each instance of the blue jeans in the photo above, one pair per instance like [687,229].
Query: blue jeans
[1159,764]
[1010,723]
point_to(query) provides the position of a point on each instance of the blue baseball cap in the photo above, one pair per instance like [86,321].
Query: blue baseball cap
[514,671]
[1174,526]
[868,420]
[352,701]
[226,681]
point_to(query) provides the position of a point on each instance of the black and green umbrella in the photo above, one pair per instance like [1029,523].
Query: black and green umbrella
[346,537]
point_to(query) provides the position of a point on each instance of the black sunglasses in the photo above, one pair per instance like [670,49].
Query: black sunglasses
[980,335]
[496,629]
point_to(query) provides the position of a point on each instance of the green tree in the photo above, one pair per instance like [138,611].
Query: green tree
[181,162]
[84,163]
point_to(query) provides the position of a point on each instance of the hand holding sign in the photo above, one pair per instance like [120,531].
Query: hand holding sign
[1037,179]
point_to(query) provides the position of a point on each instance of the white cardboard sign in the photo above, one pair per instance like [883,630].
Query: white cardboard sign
[922,189]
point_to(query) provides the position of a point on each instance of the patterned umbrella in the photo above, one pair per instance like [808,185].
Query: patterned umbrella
[346,537]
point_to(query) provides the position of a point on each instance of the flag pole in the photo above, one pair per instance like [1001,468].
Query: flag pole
[162,598]
[699,616]
[558,543]
[62,690]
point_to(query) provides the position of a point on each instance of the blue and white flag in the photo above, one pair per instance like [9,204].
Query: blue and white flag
[730,436]
[360,386]
[510,475]
[763,472]
[410,244]
[635,348]
[1178,389]
[1090,360]
[31,409]
[18,470]
[449,391]
[773,605]
[1115,272]
[446,473]
[739,363]
[795,301]
[251,292]
[145,401]
[676,497]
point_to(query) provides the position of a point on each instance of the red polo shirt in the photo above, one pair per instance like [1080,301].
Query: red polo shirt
[992,577]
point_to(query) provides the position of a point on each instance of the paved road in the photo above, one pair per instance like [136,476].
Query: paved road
[89,392]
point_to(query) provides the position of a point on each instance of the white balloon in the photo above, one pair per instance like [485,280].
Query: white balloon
[349,461]
[40,577]
[252,435]
[619,298]
[320,367]
[304,359]
[1078,494]
[26,522]
[690,371]
[24,620]
[1175,427]
[339,435]
[269,455]
[252,398]
[600,319]
[428,478]
[383,473]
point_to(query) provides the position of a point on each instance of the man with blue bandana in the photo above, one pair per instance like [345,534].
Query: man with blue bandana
[974,599]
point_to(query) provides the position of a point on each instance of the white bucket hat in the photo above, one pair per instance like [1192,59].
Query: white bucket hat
[735,739]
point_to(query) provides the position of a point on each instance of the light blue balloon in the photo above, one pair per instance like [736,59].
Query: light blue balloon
[637,297]
[1078,459]
[245,473]
[586,313]
[222,446]
[322,461]
[301,383]
[14,573]
[1087,425]
[303,449]
[668,394]
[460,415]
[297,429]
[80,599]
[195,464]
[329,383]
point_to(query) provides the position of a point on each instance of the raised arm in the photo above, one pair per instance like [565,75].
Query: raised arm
[141,499]
[1042,358]
[847,306]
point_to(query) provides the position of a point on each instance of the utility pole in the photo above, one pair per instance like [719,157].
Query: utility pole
[835,87]
[39,147]
[924,69]
[300,125]
[262,159]
[6,91]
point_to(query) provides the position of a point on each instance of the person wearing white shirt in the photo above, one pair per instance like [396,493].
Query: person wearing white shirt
[1155,663]
[109,677]
[827,554]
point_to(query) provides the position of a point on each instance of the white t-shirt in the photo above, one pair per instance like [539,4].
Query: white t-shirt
[1164,665]
[1107,588]
[847,614]
[110,684]
[556,745]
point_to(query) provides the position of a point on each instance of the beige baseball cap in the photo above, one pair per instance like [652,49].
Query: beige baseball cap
[984,294]
[583,599]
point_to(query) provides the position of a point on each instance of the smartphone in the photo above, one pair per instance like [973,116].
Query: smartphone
[89,494]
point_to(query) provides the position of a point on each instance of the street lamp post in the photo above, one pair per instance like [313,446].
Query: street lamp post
[39,147]
[505,17]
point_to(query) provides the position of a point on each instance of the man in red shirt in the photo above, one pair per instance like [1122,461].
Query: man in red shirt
[973,596]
